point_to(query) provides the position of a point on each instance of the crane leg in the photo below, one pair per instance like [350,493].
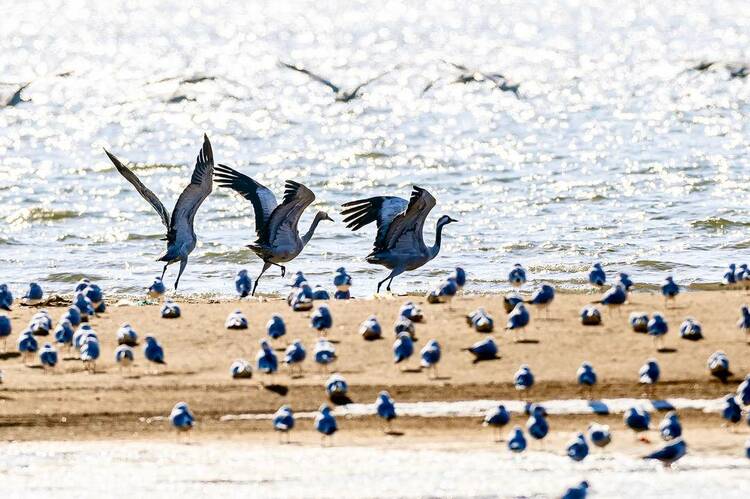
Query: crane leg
[266,266]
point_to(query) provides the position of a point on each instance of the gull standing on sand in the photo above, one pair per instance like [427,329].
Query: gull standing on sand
[537,425]
[48,357]
[6,297]
[72,315]
[124,356]
[599,434]
[459,275]
[181,418]
[516,440]
[90,353]
[325,423]
[639,322]
[614,297]
[543,298]
[243,283]
[730,278]
[497,418]
[670,427]
[403,347]
[523,379]
[411,311]
[370,329]
[27,345]
[236,320]
[517,276]
[481,321]
[278,239]
[670,453]
[170,310]
[266,360]
[283,422]
[744,323]
[625,280]
[731,410]
[597,277]
[637,419]
[336,386]
[580,491]
[578,449]
[181,238]
[241,369]
[691,330]
[386,409]
[657,328]
[322,320]
[33,296]
[126,335]
[84,306]
[586,377]
[670,290]
[40,323]
[590,316]
[294,356]
[743,391]
[718,366]
[324,353]
[517,321]
[275,327]
[430,356]
[484,350]
[648,375]
[157,288]
[343,281]
[6,328]
[399,243]
[154,352]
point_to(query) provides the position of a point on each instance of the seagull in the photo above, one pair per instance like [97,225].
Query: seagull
[324,353]
[670,427]
[294,355]
[80,336]
[236,320]
[599,435]
[126,335]
[325,423]
[614,297]
[537,425]
[343,282]
[718,366]
[124,356]
[657,327]
[170,310]
[48,357]
[321,294]
[63,333]
[411,311]
[747,442]
[639,322]
[34,295]
[691,330]
[90,353]
[730,278]
[298,279]
[301,299]
[517,276]
[153,352]
[637,419]
[181,417]
[731,411]
[459,275]
[322,320]
[484,350]
[403,347]
[181,239]
[597,277]
[580,491]
[278,238]
[649,374]
[578,449]
[94,293]
[404,325]
[72,315]
[743,391]
[241,369]
[370,329]
[586,377]
[40,323]
[744,323]
[386,409]
[523,379]
[517,321]
[444,293]
[625,280]
[265,360]
[6,297]
[242,283]
[336,386]
[16,97]
[543,298]
[275,327]
[430,356]
[590,316]
[84,306]
[516,440]
[399,244]
[497,418]
[341,95]
[6,328]
[510,300]
[670,290]
[283,422]
[481,321]
[670,453]
[27,345]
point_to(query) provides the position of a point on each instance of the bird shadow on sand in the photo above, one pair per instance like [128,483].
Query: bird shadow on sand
[662,405]
[277,389]
[477,361]
[395,433]
[528,341]
[411,370]
[35,367]
[441,378]
[667,350]
[550,319]
[9,355]
[599,407]
[335,342]
[341,399]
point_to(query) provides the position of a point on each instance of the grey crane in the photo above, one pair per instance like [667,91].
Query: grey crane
[468,75]
[278,239]
[180,237]
[341,94]
[399,243]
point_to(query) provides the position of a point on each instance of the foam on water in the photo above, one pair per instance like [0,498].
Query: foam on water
[158,469]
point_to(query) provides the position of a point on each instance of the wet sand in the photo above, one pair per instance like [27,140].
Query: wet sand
[70,404]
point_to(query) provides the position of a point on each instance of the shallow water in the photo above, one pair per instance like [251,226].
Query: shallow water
[612,153]
[146,469]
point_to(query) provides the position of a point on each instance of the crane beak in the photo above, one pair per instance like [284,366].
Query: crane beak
[452,219]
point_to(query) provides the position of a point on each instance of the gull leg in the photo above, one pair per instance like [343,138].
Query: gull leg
[266,266]
[183,264]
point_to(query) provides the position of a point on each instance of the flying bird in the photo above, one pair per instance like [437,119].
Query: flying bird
[278,239]
[399,243]
[181,238]
[341,94]
[467,75]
